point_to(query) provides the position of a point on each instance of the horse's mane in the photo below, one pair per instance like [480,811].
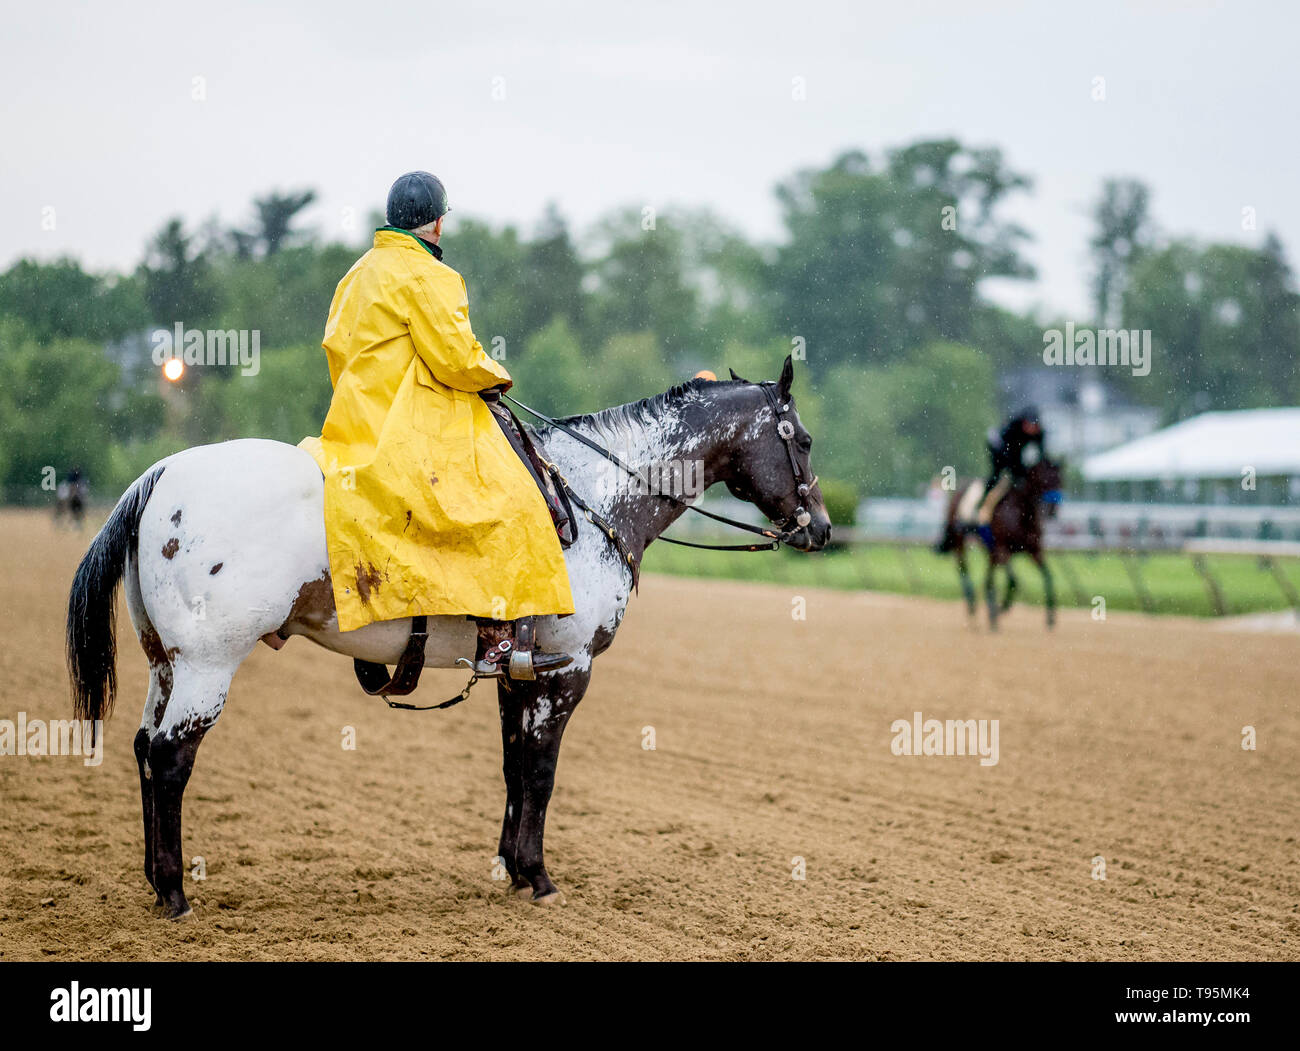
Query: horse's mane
[614,424]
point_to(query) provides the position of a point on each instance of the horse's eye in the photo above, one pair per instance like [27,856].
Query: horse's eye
[805,443]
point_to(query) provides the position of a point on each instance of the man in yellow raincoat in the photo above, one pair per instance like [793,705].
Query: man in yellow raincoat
[428,509]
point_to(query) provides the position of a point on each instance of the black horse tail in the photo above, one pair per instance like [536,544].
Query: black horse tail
[92,603]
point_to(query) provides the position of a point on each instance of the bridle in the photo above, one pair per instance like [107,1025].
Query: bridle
[782,533]
[801,516]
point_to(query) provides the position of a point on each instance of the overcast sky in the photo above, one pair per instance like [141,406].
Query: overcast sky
[665,104]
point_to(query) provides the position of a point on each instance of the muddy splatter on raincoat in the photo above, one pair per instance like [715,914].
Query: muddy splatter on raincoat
[427,507]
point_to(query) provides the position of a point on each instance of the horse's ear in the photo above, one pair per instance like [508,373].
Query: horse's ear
[734,376]
[787,375]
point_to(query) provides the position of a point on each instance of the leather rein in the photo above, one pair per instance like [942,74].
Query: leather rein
[800,516]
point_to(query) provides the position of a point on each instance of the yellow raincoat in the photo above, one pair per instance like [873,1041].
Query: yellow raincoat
[427,507]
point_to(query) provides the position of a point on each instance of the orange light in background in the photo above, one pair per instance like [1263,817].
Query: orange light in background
[174,369]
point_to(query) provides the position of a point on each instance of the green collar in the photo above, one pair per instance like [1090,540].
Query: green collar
[432,249]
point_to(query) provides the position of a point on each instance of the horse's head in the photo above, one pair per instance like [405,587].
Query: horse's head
[1044,480]
[770,466]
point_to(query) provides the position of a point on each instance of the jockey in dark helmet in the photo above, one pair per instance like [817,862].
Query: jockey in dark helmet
[420,477]
[1007,450]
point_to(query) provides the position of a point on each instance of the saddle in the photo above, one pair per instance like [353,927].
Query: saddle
[523,442]
[374,678]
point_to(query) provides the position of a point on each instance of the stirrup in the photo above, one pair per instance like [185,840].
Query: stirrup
[526,666]
[515,658]
[521,658]
[522,667]
[524,663]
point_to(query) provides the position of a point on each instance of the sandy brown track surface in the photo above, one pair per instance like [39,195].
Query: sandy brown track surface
[1119,739]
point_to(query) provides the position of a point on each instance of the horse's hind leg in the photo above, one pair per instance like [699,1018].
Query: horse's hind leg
[160,687]
[967,588]
[160,681]
[547,705]
[197,697]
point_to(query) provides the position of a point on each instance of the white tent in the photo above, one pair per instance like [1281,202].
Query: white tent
[1212,445]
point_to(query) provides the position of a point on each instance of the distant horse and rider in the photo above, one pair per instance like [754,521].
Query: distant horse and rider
[70,499]
[1006,512]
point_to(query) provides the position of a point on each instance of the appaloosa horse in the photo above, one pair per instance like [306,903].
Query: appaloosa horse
[1017,528]
[223,545]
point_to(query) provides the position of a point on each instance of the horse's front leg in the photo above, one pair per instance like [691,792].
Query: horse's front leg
[1049,587]
[510,703]
[967,588]
[547,705]
[1009,592]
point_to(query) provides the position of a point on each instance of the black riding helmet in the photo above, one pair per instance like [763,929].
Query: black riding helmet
[417,198]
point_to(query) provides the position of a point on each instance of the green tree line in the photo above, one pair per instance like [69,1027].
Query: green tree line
[875,286]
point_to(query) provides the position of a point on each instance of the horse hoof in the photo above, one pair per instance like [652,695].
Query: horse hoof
[176,907]
[521,890]
[552,898]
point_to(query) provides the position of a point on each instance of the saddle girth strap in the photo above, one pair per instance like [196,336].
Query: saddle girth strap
[374,678]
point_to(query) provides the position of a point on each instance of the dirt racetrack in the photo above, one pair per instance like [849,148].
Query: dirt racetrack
[1119,739]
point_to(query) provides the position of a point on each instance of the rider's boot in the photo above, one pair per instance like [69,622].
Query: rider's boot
[505,648]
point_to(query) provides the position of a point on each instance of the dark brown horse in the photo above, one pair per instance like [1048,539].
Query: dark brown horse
[1017,528]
